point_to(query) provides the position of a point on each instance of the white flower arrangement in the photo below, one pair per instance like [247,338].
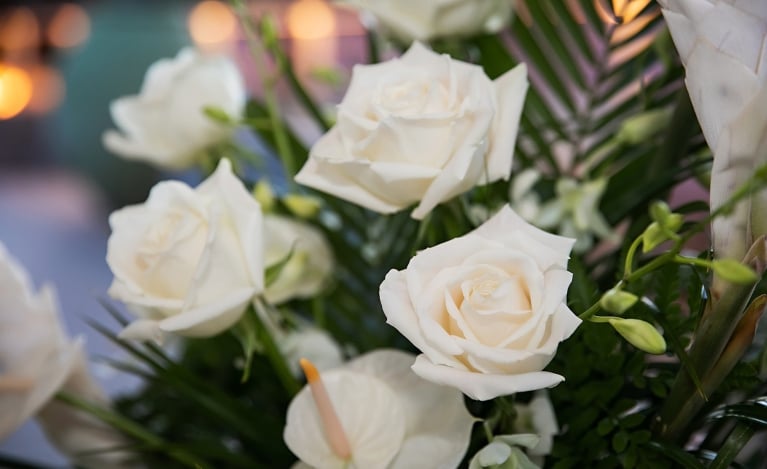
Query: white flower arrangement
[441,315]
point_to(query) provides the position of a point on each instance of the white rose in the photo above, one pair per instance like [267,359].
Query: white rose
[487,309]
[391,418]
[165,124]
[422,128]
[424,20]
[86,440]
[35,355]
[188,261]
[37,360]
[309,267]
[723,45]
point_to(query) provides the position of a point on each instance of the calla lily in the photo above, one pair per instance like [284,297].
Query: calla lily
[723,45]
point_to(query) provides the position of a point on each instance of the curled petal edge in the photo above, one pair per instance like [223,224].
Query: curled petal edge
[483,387]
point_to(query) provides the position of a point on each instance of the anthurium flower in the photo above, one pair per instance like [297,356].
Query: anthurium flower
[723,45]
[374,412]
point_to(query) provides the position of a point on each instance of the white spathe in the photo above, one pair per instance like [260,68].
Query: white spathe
[312,343]
[165,123]
[487,310]
[723,45]
[392,418]
[188,261]
[411,20]
[310,265]
[422,129]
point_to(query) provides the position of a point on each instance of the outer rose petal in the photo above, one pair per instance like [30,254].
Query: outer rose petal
[400,315]
[483,387]
[321,175]
[211,264]
[511,88]
[507,227]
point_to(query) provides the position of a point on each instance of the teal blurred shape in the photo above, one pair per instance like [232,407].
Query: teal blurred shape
[126,37]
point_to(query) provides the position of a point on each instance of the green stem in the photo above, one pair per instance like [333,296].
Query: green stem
[272,350]
[270,96]
[630,254]
[131,428]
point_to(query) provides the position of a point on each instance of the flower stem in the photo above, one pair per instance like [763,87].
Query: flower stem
[270,95]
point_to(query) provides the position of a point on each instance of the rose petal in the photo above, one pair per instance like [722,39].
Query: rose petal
[484,386]
[212,318]
[511,88]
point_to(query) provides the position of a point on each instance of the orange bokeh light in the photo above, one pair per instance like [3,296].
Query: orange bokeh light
[19,31]
[69,27]
[310,19]
[47,89]
[15,90]
[212,22]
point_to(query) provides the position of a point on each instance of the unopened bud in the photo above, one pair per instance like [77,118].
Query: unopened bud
[617,301]
[302,206]
[733,271]
[640,334]
[264,194]
[218,115]
[660,231]
[643,126]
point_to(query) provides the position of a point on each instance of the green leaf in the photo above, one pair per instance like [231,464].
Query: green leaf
[620,441]
[735,442]
[273,272]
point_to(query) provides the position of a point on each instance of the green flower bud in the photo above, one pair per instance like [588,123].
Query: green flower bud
[302,206]
[617,301]
[646,125]
[216,114]
[640,334]
[735,272]
[264,194]
[661,230]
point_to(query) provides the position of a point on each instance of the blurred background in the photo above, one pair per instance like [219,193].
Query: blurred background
[61,63]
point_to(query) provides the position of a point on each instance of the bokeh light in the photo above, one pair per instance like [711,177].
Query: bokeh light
[19,31]
[15,90]
[310,19]
[212,23]
[69,27]
[47,89]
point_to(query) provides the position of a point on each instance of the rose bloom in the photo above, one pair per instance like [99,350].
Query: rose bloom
[421,128]
[37,360]
[425,20]
[165,124]
[487,310]
[188,261]
[308,269]
[391,418]
[36,357]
